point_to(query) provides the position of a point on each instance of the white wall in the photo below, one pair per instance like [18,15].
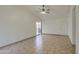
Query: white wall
[55,26]
[63,26]
[72,25]
[16,24]
[77,29]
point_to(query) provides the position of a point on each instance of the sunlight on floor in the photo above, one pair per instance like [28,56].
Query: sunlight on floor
[39,43]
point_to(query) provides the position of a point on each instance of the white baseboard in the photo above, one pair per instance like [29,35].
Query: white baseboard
[54,34]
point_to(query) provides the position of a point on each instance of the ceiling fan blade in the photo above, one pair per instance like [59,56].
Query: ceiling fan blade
[48,9]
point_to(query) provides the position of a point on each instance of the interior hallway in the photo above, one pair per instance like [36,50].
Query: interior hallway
[41,44]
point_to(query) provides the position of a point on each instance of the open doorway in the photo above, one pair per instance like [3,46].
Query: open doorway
[38,28]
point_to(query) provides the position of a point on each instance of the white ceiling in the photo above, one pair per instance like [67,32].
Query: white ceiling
[56,11]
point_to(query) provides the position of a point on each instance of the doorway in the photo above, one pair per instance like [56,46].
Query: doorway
[38,28]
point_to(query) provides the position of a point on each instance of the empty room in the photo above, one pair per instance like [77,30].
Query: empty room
[38,29]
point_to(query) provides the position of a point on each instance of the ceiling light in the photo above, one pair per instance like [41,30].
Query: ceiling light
[44,10]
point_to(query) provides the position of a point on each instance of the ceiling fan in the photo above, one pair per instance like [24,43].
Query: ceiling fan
[45,10]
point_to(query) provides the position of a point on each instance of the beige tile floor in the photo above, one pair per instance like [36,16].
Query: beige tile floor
[46,44]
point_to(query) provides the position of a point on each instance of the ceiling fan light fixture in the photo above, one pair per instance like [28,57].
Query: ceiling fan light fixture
[43,12]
